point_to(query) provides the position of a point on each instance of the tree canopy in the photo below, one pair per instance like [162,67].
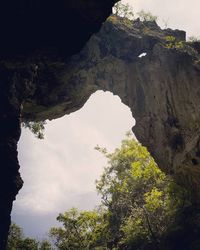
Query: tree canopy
[123,10]
[17,241]
[140,199]
[139,204]
[81,230]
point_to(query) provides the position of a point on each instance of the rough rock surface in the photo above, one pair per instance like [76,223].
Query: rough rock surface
[32,30]
[161,87]
[11,181]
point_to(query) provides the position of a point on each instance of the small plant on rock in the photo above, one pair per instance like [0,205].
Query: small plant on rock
[123,10]
[172,43]
[37,128]
[147,16]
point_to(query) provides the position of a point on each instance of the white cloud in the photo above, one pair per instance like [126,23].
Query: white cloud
[62,168]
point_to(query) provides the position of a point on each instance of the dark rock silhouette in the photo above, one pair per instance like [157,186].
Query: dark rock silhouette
[39,29]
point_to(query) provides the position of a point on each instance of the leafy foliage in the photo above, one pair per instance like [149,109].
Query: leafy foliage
[81,230]
[16,241]
[139,205]
[146,16]
[126,15]
[172,43]
[14,237]
[123,10]
[138,196]
[45,245]
[37,128]
[28,244]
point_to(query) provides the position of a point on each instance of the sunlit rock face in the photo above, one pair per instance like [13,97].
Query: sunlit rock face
[36,36]
[158,80]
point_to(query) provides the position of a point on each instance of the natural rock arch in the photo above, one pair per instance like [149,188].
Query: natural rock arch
[161,88]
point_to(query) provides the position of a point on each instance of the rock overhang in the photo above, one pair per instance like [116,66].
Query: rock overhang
[162,88]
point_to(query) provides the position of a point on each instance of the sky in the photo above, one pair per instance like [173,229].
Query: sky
[59,172]
[178,14]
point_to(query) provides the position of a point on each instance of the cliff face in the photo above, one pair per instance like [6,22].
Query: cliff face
[155,72]
[35,33]
[9,135]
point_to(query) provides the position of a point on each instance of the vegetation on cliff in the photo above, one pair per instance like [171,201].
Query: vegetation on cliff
[17,241]
[37,128]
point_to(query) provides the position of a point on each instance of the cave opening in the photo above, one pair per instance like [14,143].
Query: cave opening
[174,144]
[59,172]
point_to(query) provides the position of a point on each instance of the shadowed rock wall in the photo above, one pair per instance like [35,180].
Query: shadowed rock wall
[10,132]
[34,33]
[60,27]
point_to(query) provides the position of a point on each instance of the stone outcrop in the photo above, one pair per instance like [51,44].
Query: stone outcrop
[154,72]
[11,182]
[34,32]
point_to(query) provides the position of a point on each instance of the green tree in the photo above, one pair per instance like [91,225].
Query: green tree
[37,128]
[123,10]
[139,205]
[141,200]
[14,237]
[81,230]
[45,245]
[28,244]
[146,16]
[17,241]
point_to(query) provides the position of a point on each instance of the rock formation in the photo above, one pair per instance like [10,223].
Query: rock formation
[154,72]
[32,30]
